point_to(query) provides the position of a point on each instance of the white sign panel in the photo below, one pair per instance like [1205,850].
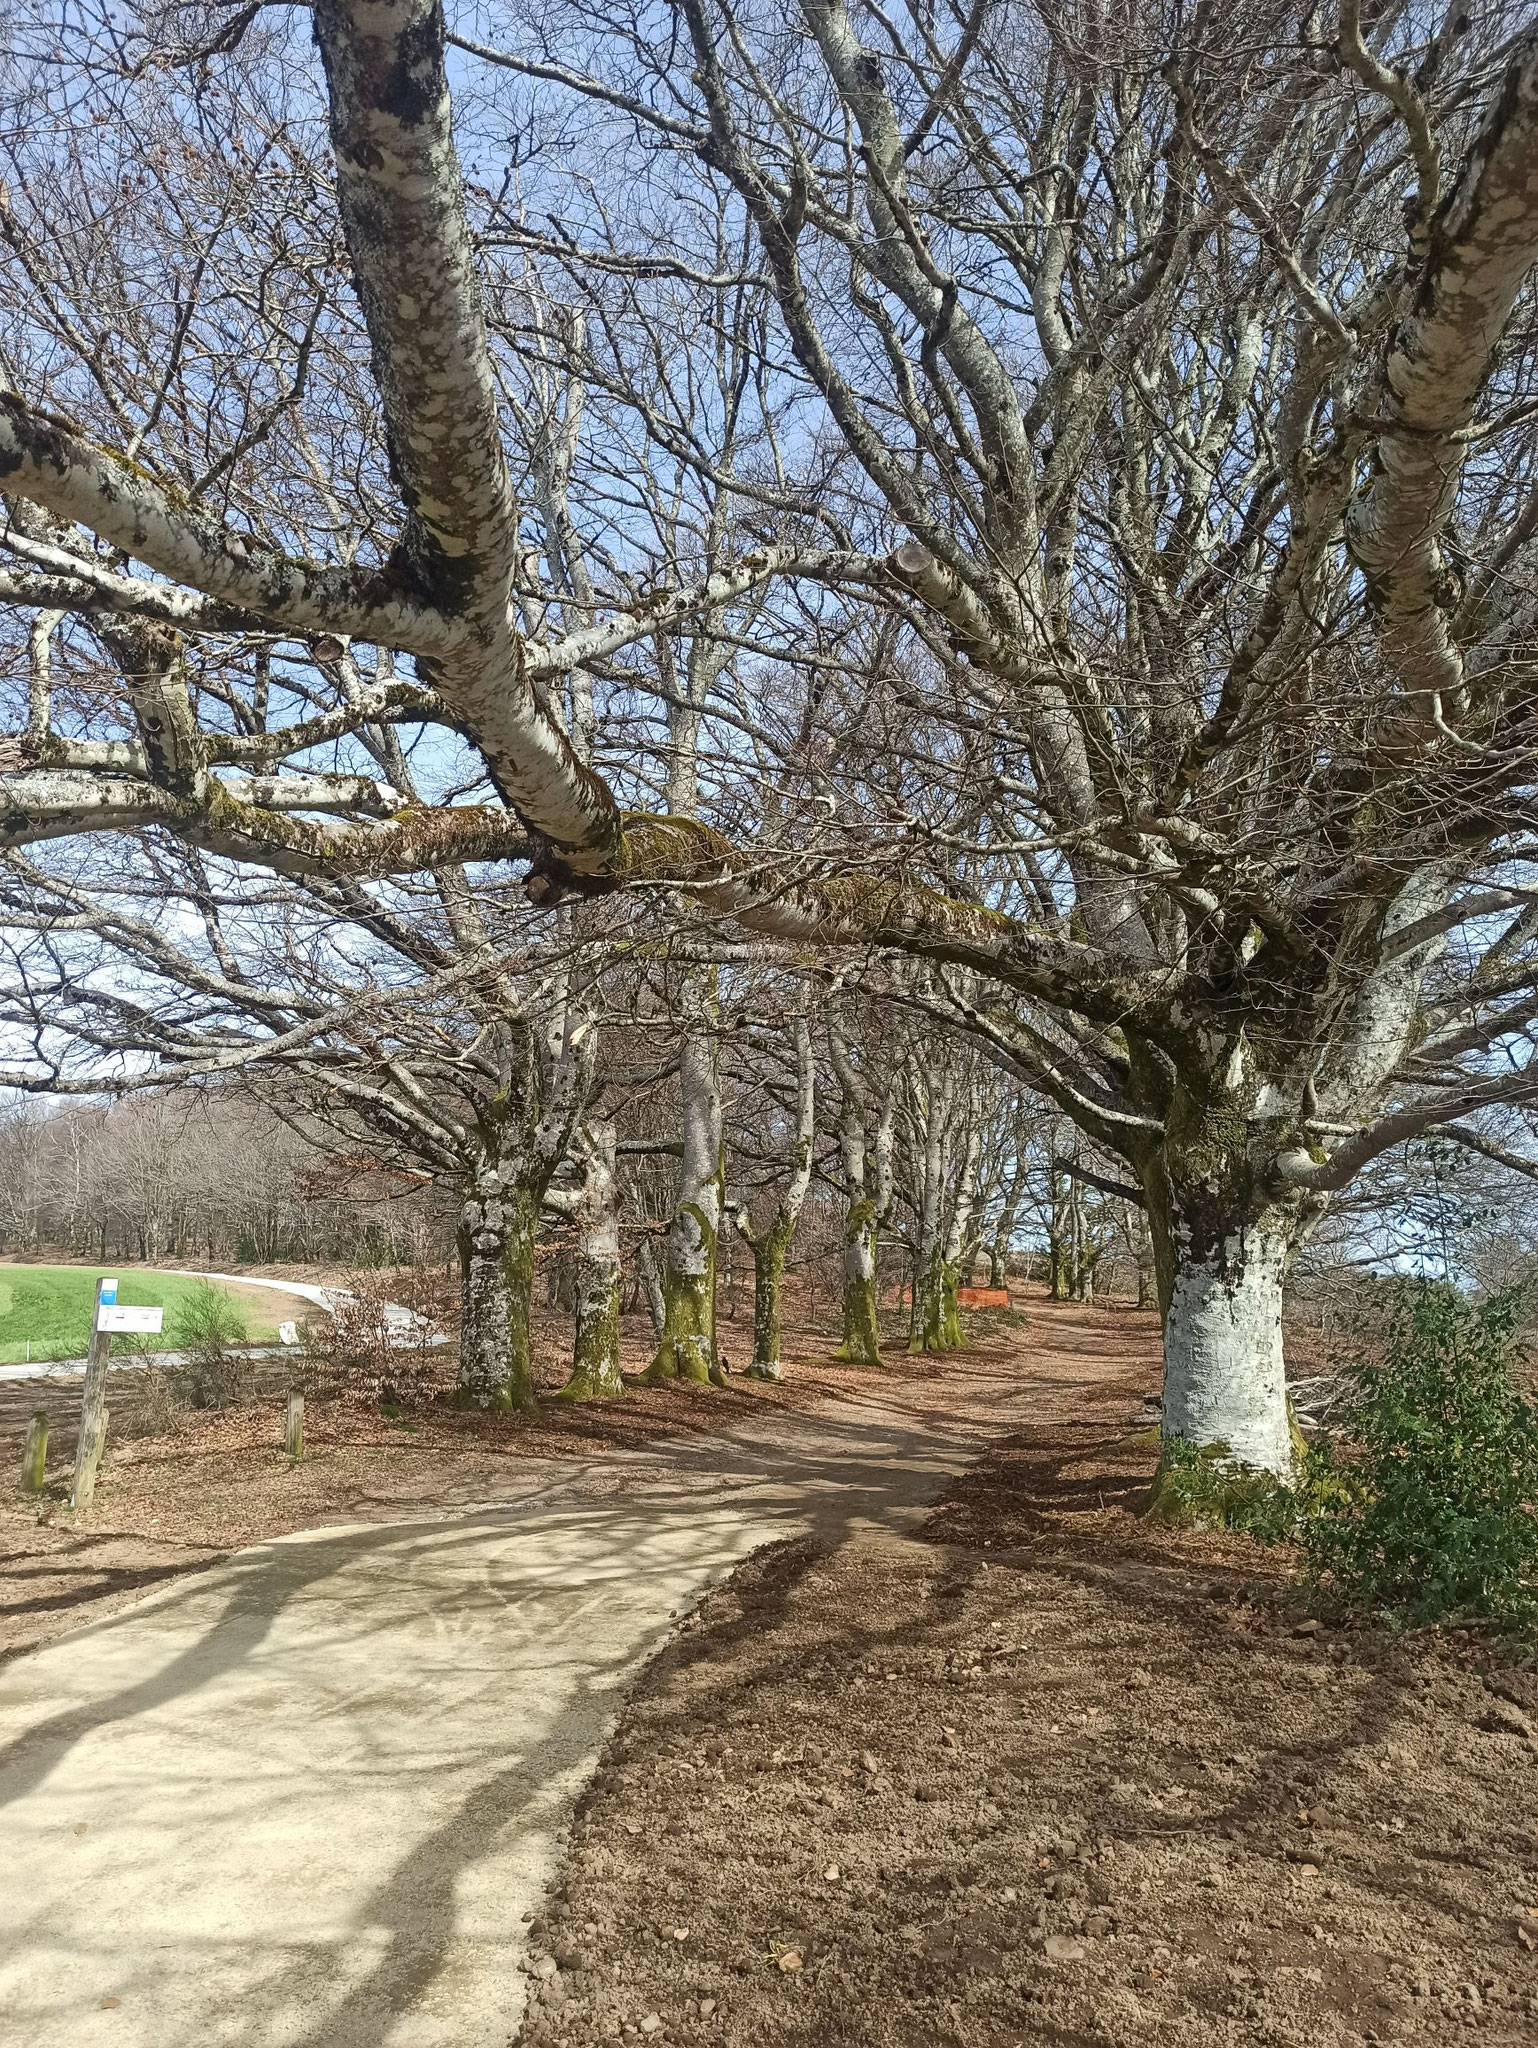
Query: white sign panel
[148,1320]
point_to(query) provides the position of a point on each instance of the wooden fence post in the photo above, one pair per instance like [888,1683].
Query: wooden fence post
[293,1425]
[35,1457]
[93,1410]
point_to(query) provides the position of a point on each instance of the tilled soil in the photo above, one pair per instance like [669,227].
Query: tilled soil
[1050,1775]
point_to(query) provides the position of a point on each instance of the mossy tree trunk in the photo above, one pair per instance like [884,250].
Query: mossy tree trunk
[947,1199]
[955,1258]
[768,1275]
[868,1188]
[651,1286]
[1224,1232]
[497,1224]
[771,1243]
[928,1323]
[935,1096]
[861,1343]
[522,1136]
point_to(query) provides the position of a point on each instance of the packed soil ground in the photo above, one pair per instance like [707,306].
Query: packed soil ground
[1045,1773]
[1041,1772]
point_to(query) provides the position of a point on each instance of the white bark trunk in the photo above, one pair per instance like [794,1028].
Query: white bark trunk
[595,1370]
[651,1285]
[1224,1382]
[688,1346]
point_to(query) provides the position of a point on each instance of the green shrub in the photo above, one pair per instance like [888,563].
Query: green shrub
[1429,1497]
[1205,1488]
[201,1329]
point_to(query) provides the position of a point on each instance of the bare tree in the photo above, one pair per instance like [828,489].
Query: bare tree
[413,1029]
[1153,390]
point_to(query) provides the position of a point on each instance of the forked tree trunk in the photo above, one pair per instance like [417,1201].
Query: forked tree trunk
[1226,1220]
[522,1144]
[1224,1233]
[595,1373]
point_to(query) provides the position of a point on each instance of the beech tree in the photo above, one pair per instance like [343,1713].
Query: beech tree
[770,1233]
[411,1027]
[1191,353]
[866,1139]
[1150,390]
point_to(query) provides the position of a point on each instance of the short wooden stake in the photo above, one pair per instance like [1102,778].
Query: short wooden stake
[293,1425]
[34,1458]
[93,1412]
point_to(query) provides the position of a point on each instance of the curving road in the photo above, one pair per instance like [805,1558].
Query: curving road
[304,1799]
[401,1322]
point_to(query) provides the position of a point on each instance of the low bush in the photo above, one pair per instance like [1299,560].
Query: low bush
[1429,1491]
[361,1352]
[204,1370]
[1206,1488]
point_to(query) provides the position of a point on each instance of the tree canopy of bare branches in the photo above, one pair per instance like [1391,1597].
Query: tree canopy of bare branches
[1073,466]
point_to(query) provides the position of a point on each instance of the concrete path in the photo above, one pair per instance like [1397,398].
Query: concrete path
[303,1800]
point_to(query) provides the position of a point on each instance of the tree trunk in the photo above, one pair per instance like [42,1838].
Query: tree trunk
[862,1344]
[1223,1240]
[953,1259]
[523,1137]
[770,1246]
[687,1349]
[867,1206]
[952,1337]
[1142,1253]
[1224,1381]
[768,1272]
[651,1285]
[496,1261]
[595,1371]
[927,1325]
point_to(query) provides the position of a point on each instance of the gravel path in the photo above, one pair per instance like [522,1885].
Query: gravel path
[306,1799]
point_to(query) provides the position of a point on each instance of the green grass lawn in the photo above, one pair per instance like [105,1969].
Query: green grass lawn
[51,1306]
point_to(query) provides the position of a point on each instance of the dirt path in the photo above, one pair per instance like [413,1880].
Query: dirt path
[1043,1773]
[306,1798]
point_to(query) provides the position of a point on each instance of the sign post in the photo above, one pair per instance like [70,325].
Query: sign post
[93,1406]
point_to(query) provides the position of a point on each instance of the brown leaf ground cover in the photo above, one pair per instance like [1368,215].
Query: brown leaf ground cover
[1050,1775]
